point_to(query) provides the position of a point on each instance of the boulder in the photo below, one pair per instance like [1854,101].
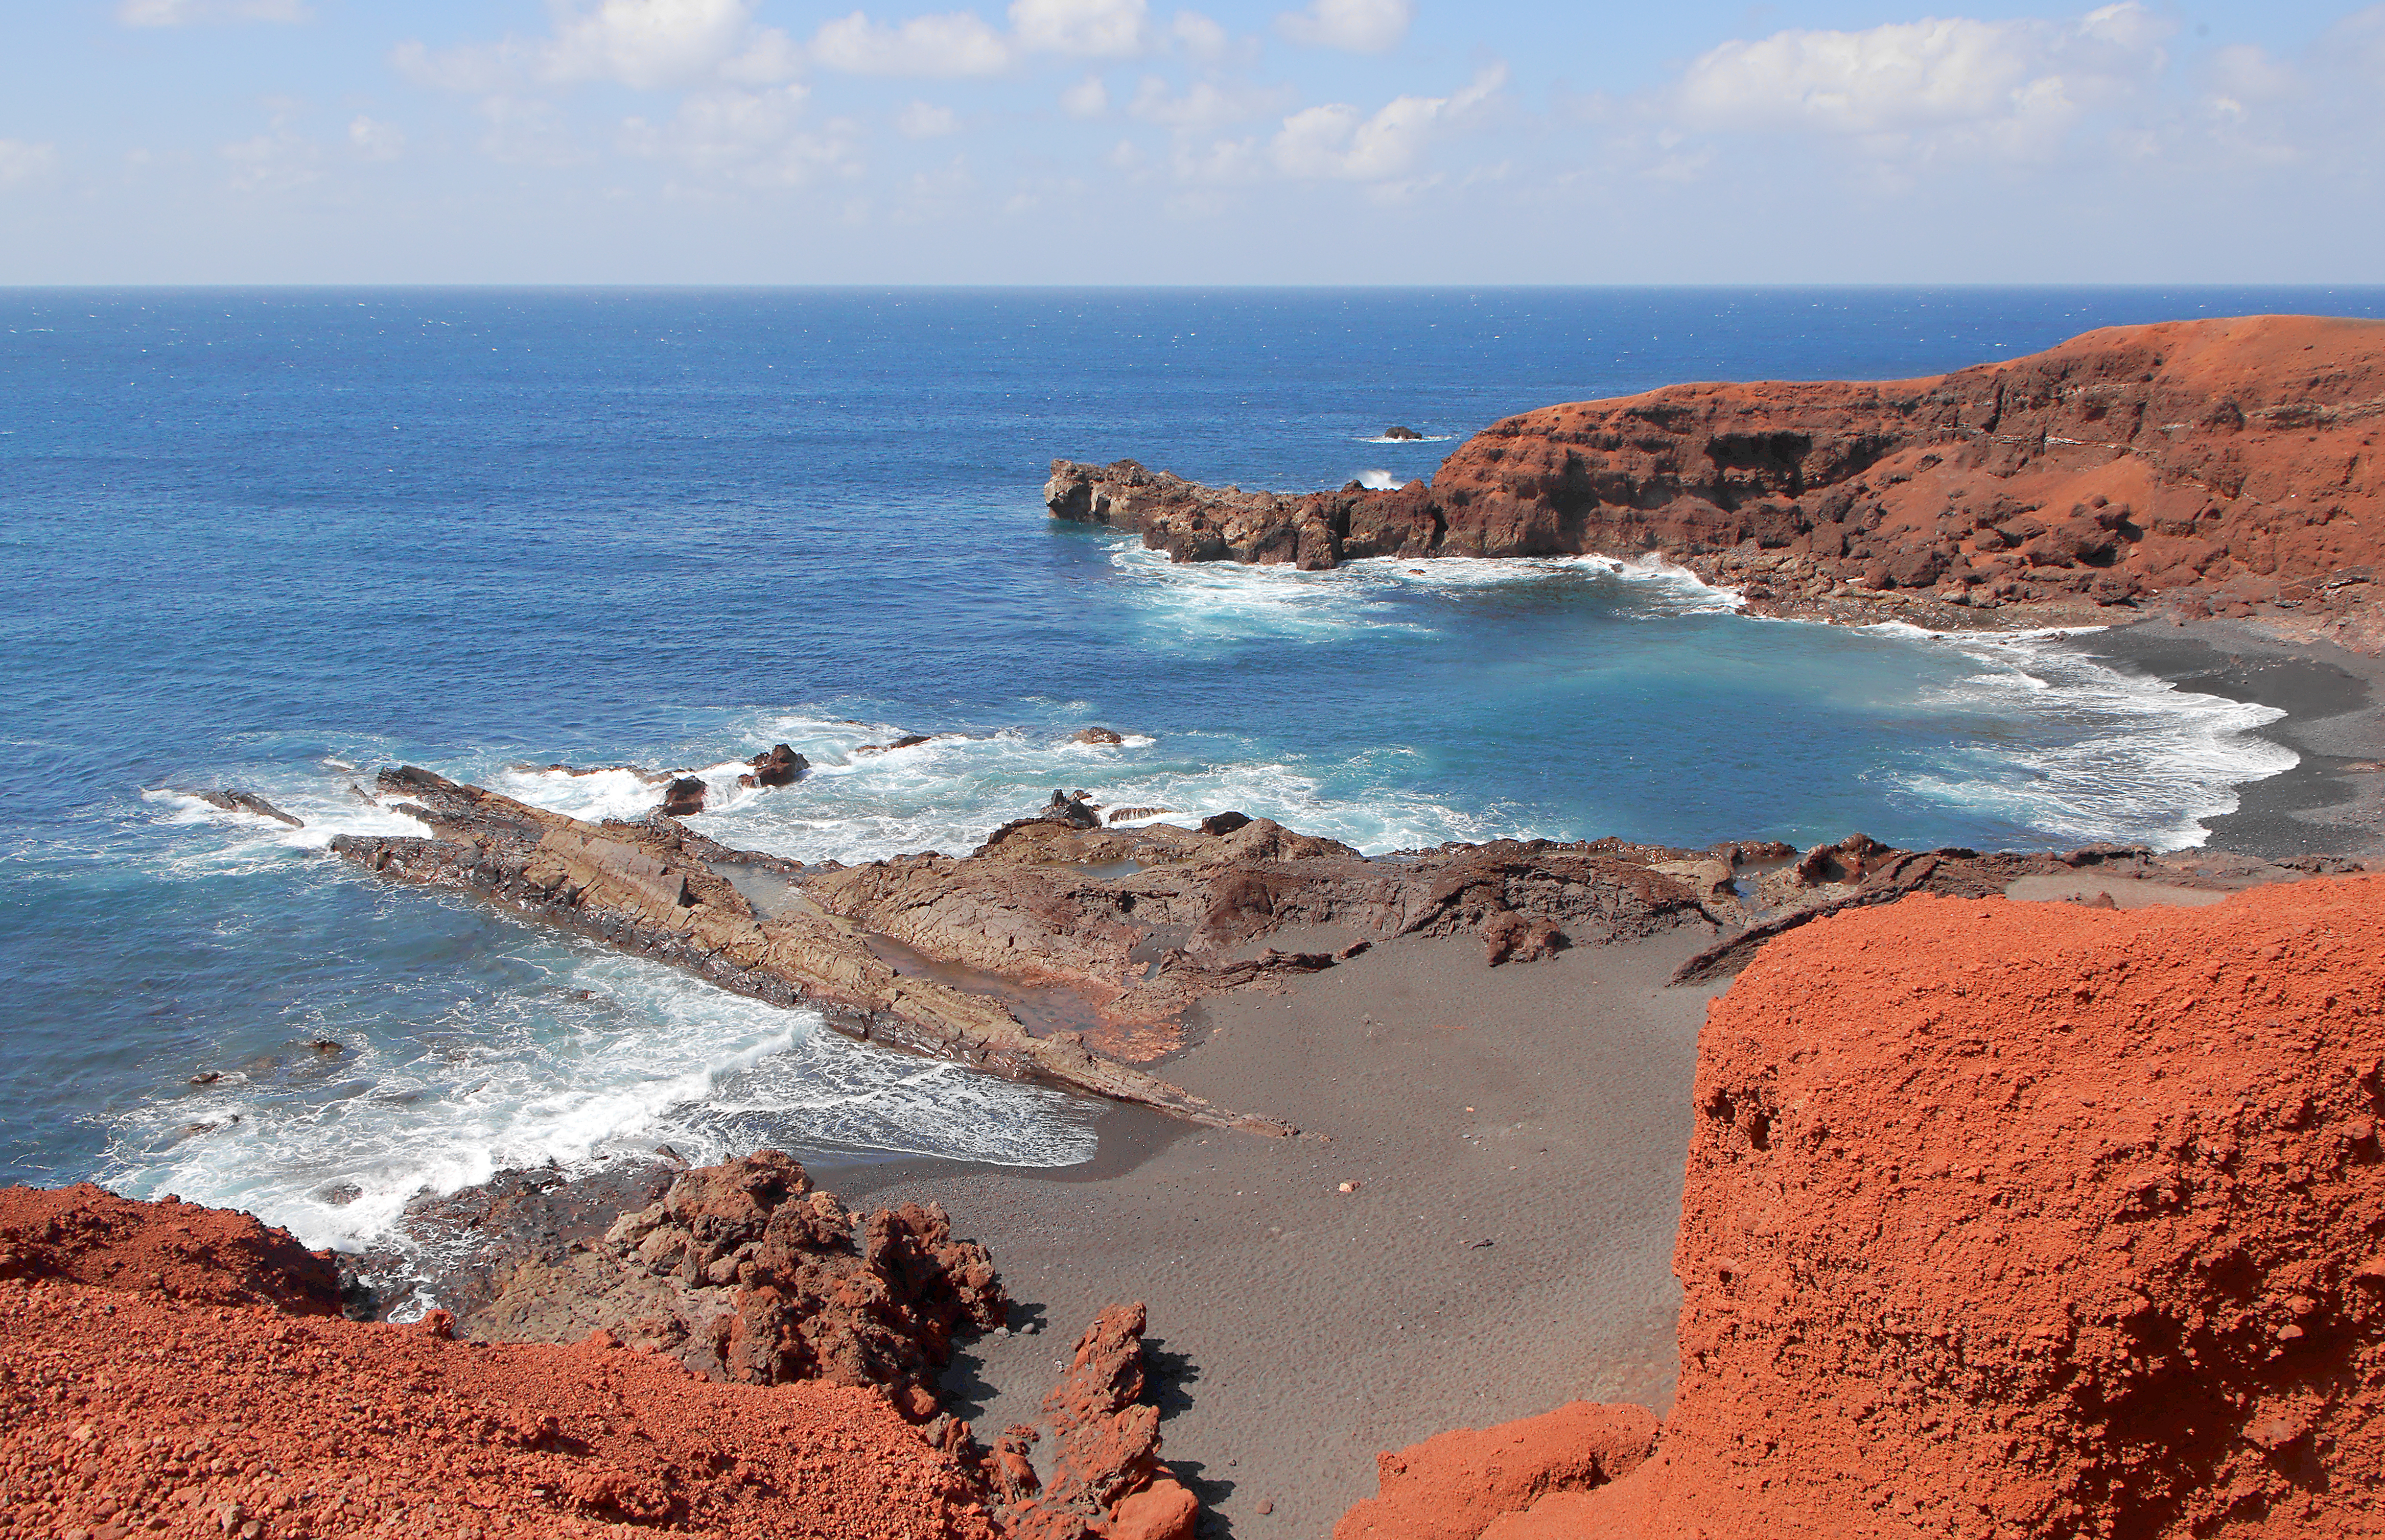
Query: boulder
[1225,823]
[1401,433]
[1101,735]
[683,796]
[780,765]
[1070,808]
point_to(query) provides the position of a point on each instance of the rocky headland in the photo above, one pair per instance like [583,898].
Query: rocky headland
[2215,468]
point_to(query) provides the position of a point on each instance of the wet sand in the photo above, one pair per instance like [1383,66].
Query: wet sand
[1517,1136]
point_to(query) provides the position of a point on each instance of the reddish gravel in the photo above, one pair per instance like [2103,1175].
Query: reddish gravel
[87,1235]
[126,1413]
[2016,1220]
[211,1392]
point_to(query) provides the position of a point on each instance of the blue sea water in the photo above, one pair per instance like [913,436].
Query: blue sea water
[277,538]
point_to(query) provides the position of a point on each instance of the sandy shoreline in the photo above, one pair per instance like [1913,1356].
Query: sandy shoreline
[1299,1330]
[2333,802]
[1538,1108]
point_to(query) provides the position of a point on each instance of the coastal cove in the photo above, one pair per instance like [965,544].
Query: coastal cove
[471,863]
[485,532]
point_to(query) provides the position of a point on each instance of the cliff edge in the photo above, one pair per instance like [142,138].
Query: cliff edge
[2227,466]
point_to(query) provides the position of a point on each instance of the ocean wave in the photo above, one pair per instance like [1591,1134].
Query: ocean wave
[1224,602]
[1424,438]
[611,1056]
[2095,753]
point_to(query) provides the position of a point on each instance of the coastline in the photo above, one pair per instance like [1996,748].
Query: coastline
[1285,1374]
[2328,804]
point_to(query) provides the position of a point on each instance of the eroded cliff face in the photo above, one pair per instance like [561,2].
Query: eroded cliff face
[2033,1220]
[2227,464]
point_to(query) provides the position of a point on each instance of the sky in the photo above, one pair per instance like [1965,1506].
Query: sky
[1120,142]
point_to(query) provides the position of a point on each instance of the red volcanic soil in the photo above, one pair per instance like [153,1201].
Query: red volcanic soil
[2009,1219]
[181,1401]
[87,1235]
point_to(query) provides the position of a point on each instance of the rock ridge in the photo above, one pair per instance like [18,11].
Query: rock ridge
[2222,467]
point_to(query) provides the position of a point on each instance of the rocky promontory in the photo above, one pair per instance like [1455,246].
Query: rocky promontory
[2225,467]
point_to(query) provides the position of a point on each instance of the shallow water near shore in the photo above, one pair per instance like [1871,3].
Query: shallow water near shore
[276,540]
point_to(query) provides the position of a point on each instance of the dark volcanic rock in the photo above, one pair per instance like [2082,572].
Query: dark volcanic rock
[744,1272]
[780,766]
[1401,433]
[248,802]
[684,796]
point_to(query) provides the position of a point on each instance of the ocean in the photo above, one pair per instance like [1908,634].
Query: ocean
[276,540]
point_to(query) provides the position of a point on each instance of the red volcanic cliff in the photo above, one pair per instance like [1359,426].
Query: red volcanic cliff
[2232,461]
[2027,1219]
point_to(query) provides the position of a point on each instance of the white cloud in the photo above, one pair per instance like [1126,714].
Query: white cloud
[1205,106]
[21,161]
[644,44]
[2014,86]
[953,45]
[375,139]
[184,13]
[1099,28]
[1088,98]
[2247,72]
[1340,143]
[1360,26]
[755,138]
[648,45]
[926,120]
[1200,38]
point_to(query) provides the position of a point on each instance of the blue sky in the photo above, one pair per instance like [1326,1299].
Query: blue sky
[1134,140]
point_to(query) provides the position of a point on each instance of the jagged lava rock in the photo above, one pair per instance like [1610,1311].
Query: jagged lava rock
[2008,1219]
[744,1272]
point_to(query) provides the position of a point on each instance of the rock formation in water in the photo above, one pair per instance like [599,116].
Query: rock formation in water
[2020,1219]
[1062,951]
[249,801]
[2222,465]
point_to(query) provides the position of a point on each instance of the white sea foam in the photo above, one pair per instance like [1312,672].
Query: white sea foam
[1380,480]
[618,1056]
[1426,439]
[2097,753]
[1221,602]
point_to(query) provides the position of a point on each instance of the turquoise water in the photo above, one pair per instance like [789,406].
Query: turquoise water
[276,540]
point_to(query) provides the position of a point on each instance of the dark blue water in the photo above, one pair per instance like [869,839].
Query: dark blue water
[277,538]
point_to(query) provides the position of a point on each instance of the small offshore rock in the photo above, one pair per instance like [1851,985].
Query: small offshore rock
[780,765]
[684,796]
[1397,432]
[1099,736]
[248,802]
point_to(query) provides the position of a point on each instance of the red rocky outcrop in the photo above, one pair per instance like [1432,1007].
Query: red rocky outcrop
[2227,464]
[744,1272]
[2012,1219]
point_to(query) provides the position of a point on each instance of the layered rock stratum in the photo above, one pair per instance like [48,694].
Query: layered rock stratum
[2009,1220]
[2221,466]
